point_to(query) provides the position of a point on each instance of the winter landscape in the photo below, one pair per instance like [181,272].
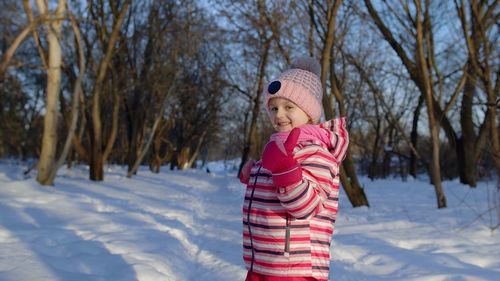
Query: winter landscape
[174,83]
[186,225]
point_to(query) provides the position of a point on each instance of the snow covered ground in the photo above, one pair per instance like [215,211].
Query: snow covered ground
[186,225]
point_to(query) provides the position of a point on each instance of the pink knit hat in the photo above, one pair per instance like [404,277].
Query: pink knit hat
[301,85]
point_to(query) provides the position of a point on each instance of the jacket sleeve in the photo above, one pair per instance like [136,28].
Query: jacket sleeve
[319,174]
[339,137]
[320,170]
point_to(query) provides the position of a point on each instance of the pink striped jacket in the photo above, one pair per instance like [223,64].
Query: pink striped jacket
[287,231]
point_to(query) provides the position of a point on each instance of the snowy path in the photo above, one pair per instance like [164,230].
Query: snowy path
[186,226]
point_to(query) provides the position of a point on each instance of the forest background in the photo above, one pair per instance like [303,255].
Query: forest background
[171,82]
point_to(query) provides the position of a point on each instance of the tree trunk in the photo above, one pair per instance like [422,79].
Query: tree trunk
[196,151]
[183,157]
[495,144]
[349,180]
[77,90]
[494,128]
[135,135]
[96,164]
[114,125]
[414,137]
[256,105]
[143,149]
[352,188]
[388,153]
[373,168]
[478,75]
[46,165]
[96,153]
[156,158]
[435,169]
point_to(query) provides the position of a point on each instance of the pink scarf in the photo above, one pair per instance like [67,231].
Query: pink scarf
[307,132]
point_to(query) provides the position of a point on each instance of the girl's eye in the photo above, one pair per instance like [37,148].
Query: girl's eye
[273,109]
[288,107]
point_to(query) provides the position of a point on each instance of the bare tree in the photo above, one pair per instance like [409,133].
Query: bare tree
[148,83]
[153,53]
[482,75]
[46,164]
[420,73]
[251,25]
[77,90]
[423,70]
[108,41]
[387,119]
[470,142]
[329,34]
[20,114]
[198,106]
[158,145]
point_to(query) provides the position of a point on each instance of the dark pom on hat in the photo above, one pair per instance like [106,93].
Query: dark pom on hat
[274,87]
[308,64]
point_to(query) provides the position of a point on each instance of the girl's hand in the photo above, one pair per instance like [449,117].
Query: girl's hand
[278,158]
[245,171]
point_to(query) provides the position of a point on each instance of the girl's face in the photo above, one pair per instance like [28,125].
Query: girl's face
[286,115]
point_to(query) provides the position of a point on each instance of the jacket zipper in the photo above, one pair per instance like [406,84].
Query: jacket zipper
[287,237]
[248,219]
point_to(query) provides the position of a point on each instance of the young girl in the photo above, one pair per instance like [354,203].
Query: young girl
[291,198]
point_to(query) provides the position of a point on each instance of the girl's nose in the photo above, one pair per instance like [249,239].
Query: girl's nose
[279,112]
